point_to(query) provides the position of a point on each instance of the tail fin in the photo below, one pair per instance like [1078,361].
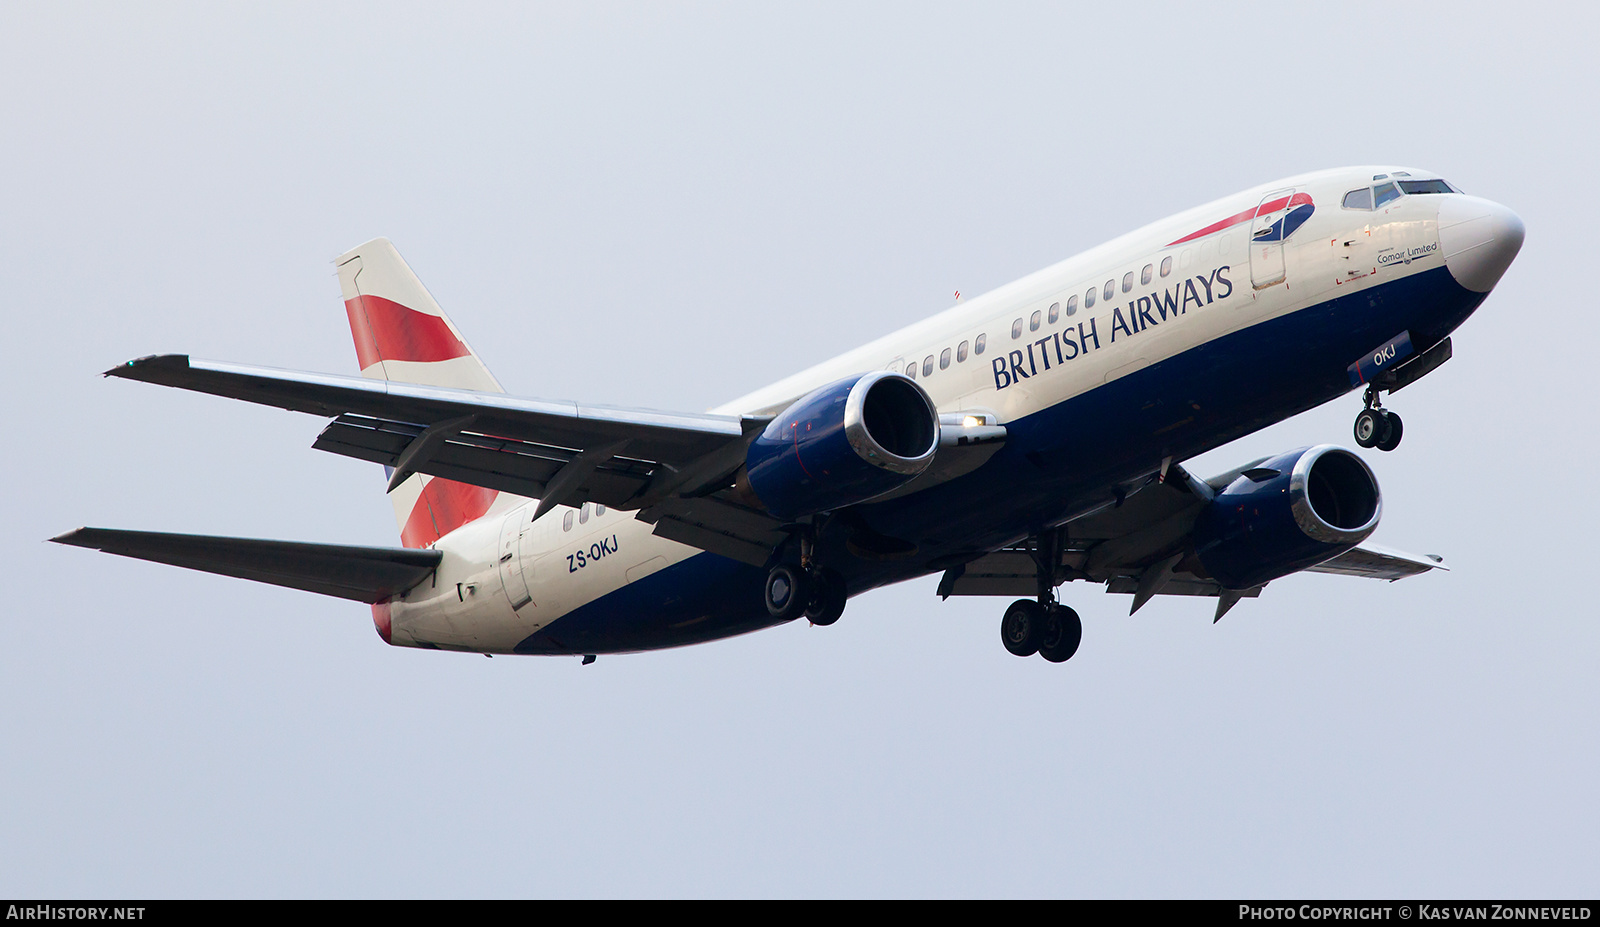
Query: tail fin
[402,334]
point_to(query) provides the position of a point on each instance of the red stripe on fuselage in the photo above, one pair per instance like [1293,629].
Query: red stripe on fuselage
[444,506]
[1281,202]
[385,330]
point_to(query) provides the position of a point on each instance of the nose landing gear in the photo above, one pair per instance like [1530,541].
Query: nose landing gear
[1376,426]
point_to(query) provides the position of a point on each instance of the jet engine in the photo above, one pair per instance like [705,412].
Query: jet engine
[844,443]
[1288,513]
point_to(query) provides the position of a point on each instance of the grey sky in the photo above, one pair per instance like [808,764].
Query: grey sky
[670,206]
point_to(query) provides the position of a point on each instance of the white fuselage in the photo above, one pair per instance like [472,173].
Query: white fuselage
[504,577]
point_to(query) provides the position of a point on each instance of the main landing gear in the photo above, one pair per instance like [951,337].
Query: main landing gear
[1045,626]
[1376,426]
[807,589]
[818,594]
[1049,629]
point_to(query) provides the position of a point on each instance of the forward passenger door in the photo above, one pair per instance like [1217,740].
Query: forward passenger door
[1266,241]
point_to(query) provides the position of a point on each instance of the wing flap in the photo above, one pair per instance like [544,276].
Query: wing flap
[364,574]
[507,464]
[1002,572]
[720,527]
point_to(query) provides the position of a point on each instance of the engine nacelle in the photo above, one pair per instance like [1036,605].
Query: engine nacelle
[844,443]
[1293,511]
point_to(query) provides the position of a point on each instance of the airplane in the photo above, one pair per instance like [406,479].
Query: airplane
[1017,441]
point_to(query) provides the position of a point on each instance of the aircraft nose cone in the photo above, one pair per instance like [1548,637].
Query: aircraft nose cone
[1479,239]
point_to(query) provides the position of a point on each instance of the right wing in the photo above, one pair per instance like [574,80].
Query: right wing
[1375,562]
[1141,546]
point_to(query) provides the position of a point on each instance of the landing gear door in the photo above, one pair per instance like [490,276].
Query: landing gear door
[1266,239]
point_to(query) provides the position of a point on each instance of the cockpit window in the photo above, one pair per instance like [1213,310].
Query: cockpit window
[1385,192]
[1414,187]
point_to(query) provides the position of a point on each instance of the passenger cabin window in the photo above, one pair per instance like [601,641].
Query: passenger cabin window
[1166,265]
[583,514]
[1072,306]
[911,370]
[1111,289]
[927,365]
[944,358]
[1127,281]
[566,520]
[599,510]
[1016,329]
[977,346]
[1055,313]
[1358,199]
[1385,193]
[1088,300]
[961,352]
[1144,275]
[1033,321]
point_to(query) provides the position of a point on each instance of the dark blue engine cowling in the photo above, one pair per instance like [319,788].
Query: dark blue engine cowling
[1293,511]
[845,443]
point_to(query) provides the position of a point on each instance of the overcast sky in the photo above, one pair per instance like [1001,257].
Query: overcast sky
[670,205]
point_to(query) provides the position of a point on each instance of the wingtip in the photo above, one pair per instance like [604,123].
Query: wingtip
[75,537]
[134,369]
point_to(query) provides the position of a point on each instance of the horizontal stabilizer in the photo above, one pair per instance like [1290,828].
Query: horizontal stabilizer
[365,574]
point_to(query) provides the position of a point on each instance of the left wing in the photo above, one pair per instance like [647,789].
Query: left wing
[671,467]
[558,452]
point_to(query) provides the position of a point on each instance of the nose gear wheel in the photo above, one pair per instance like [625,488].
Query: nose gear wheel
[1376,426]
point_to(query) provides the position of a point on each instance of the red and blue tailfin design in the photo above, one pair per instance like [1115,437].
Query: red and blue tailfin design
[401,334]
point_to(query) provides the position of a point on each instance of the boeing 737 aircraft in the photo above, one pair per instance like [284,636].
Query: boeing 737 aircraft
[1017,441]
